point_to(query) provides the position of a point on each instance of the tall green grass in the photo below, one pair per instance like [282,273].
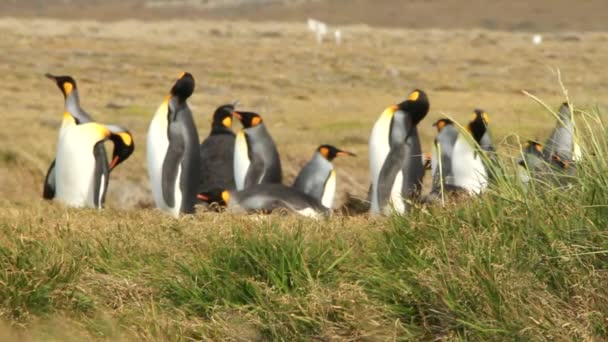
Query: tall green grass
[512,264]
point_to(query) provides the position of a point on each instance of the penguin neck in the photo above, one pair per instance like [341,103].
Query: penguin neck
[72,106]
[398,132]
[259,129]
[321,160]
[219,129]
[175,103]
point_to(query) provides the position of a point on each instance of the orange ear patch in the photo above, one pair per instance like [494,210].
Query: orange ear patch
[227,122]
[256,120]
[226,196]
[440,125]
[67,88]
[414,96]
[324,152]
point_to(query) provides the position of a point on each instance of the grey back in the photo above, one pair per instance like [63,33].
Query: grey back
[311,179]
[265,162]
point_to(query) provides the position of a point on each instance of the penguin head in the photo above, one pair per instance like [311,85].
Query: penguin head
[248,119]
[416,104]
[564,111]
[219,196]
[441,123]
[534,147]
[123,146]
[66,84]
[478,124]
[183,87]
[223,116]
[330,152]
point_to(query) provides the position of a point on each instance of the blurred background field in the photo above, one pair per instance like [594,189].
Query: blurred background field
[108,273]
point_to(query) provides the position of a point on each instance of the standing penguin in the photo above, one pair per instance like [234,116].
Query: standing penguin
[173,151]
[217,153]
[395,156]
[561,148]
[441,157]
[457,162]
[75,115]
[266,198]
[81,168]
[318,177]
[478,127]
[68,88]
[256,159]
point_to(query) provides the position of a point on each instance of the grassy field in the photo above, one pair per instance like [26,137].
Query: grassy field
[506,266]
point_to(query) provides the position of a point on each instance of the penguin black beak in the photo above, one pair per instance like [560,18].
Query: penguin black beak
[345,153]
[51,77]
[237,115]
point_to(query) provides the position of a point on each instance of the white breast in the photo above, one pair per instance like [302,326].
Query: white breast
[379,149]
[177,192]
[75,167]
[329,191]
[309,212]
[157,145]
[396,201]
[467,167]
[241,160]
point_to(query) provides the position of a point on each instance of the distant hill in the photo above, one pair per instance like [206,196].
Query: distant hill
[518,15]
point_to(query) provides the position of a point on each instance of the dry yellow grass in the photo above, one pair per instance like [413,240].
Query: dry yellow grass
[308,94]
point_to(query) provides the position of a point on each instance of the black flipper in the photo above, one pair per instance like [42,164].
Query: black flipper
[173,159]
[49,182]
[101,176]
[392,165]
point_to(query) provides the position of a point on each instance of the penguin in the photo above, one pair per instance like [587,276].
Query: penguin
[266,198]
[441,156]
[68,88]
[561,149]
[256,159]
[532,164]
[478,128]
[75,115]
[395,156]
[173,151]
[81,168]
[318,177]
[457,162]
[217,153]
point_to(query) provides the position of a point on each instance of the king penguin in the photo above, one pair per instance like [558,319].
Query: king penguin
[532,164]
[75,115]
[173,151]
[395,156]
[68,88]
[256,159]
[217,153]
[81,168]
[478,127]
[561,149]
[318,177]
[456,161]
[266,198]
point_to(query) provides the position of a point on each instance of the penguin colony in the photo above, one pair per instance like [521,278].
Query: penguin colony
[241,172]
